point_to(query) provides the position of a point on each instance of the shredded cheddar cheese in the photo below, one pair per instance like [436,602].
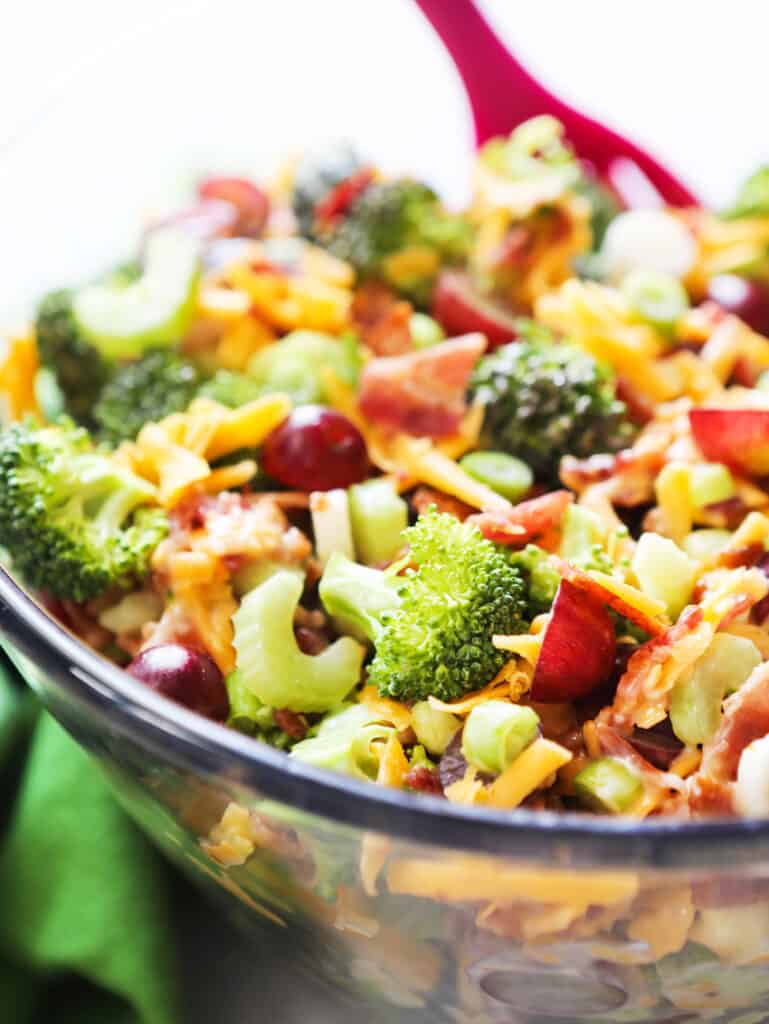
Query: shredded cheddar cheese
[527,773]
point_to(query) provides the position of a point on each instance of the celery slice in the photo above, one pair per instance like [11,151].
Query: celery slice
[378,516]
[665,572]
[710,482]
[608,785]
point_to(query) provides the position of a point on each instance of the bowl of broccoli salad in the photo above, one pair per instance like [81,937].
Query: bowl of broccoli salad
[464,503]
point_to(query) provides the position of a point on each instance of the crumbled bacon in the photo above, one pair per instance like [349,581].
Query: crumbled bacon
[644,690]
[528,522]
[596,589]
[710,796]
[747,555]
[424,497]
[291,723]
[424,780]
[382,319]
[639,407]
[745,718]
[421,393]
[615,745]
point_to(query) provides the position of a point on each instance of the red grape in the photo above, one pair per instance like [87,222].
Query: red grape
[747,299]
[185,675]
[316,449]
[249,200]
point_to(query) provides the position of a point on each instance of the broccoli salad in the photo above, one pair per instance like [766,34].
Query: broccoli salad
[472,504]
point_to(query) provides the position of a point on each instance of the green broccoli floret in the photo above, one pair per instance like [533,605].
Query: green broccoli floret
[544,400]
[75,523]
[144,391]
[752,199]
[319,171]
[390,217]
[438,641]
[541,577]
[79,369]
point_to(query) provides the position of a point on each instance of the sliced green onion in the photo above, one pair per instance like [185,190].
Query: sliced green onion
[496,733]
[656,298]
[434,728]
[710,482]
[378,516]
[705,544]
[608,785]
[425,332]
[503,473]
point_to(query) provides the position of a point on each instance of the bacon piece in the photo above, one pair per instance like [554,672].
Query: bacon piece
[291,723]
[710,796]
[422,393]
[591,585]
[639,407]
[526,522]
[424,497]
[644,689]
[745,718]
[382,319]
[421,778]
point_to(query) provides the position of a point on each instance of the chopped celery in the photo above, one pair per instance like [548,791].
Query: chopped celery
[695,702]
[705,544]
[496,732]
[378,516]
[608,785]
[356,596]
[710,482]
[503,473]
[344,742]
[762,384]
[122,319]
[330,513]
[245,706]
[434,728]
[665,572]
[657,298]
[294,365]
[425,332]
[582,530]
[252,574]
[270,662]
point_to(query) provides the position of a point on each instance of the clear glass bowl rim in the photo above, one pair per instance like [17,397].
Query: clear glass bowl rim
[194,743]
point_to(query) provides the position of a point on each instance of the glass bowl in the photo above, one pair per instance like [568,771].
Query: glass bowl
[412,907]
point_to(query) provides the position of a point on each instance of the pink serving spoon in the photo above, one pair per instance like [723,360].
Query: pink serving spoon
[502,94]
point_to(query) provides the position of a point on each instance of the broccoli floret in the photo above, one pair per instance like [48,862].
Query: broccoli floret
[752,198]
[75,523]
[544,400]
[144,391]
[541,577]
[390,218]
[79,369]
[438,641]
[317,173]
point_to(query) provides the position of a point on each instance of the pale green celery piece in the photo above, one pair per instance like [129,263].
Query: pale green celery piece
[270,662]
[496,733]
[330,512]
[378,516]
[665,572]
[122,320]
[608,785]
[705,544]
[434,728]
[244,704]
[695,702]
[581,530]
[425,332]
[503,473]
[253,574]
[710,482]
[355,596]
[762,384]
[344,741]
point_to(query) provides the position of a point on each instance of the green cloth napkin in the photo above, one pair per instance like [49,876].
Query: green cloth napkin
[85,934]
